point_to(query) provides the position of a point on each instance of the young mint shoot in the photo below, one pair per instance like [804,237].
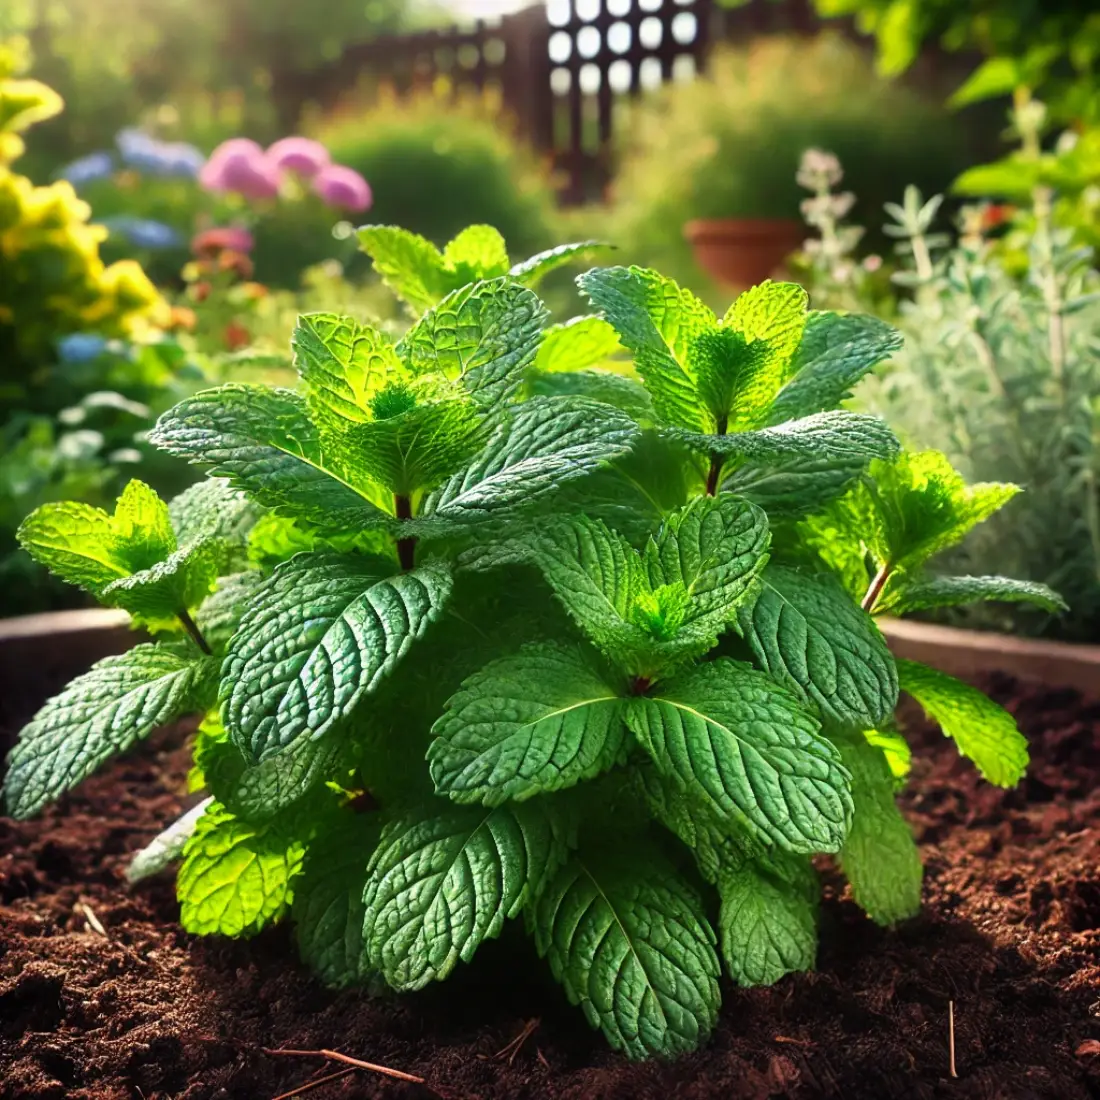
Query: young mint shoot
[571,623]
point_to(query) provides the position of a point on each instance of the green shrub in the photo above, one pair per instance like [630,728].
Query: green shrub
[728,145]
[435,166]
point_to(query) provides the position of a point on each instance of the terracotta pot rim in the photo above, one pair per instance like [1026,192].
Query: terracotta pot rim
[721,228]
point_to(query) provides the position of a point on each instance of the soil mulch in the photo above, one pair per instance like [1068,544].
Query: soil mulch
[1010,934]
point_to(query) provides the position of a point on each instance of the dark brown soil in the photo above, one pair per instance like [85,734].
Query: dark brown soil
[1010,933]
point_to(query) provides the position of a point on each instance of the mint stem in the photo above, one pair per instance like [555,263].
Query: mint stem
[191,627]
[720,427]
[876,587]
[406,547]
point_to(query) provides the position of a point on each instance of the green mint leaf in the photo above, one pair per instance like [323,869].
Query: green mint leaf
[795,488]
[183,580]
[321,634]
[809,634]
[263,441]
[533,270]
[899,757]
[920,505]
[715,548]
[421,446]
[116,703]
[236,877]
[220,613]
[714,842]
[410,265]
[879,856]
[212,508]
[576,345]
[76,542]
[167,846]
[749,750]
[545,443]
[328,907]
[982,731]
[658,322]
[143,526]
[623,393]
[767,923]
[441,884]
[742,365]
[928,592]
[541,720]
[631,945]
[830,436]
[836,351]
[485,335]
[344,365]
[478,252]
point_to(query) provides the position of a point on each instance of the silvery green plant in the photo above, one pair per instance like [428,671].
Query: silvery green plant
[481,631]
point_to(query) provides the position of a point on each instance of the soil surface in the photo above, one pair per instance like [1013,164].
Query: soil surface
[103,996]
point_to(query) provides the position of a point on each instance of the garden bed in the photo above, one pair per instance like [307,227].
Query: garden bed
[1010,934]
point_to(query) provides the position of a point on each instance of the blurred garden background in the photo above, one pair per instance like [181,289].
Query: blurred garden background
[179,178]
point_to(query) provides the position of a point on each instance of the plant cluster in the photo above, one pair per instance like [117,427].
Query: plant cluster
[480,631]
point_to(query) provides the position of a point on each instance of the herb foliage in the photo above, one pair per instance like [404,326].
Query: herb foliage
[481,632]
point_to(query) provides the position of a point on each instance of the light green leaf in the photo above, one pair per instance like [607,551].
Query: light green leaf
[321,634]
[809,634]
[831,436]
[143,526]
[328,901]
[715,547]
[76,542]
[658,322]
[478,252]
[182,581]
[485,334]
[547,442]
[928,592]
[767,924]
[538,721]
[921,505]
[836,351]
[982,731]
[632,947]
[532,271]
[235,877]
[879,856]
[167,846]
[746,747]
[410,265]
[345,365]
[116,703]
[995,77]
[899,757]
[263,441]
[576,345]
[439,885]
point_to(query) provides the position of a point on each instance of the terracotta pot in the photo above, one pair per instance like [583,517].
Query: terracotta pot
[740,252]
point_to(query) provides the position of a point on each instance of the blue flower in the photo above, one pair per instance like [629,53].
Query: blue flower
[95,166]
[158,158]
[144,232]
[80,347]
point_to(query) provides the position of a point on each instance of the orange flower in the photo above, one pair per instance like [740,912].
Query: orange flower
[182,318]
[236,336]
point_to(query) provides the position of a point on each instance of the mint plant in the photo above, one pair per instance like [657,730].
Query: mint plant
[421,275]
[478,631]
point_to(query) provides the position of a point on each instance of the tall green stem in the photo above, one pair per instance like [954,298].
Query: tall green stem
[192,628]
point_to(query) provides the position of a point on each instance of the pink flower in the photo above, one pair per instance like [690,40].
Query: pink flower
[299,155]
[225,238]
[240,165]
[342,187]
